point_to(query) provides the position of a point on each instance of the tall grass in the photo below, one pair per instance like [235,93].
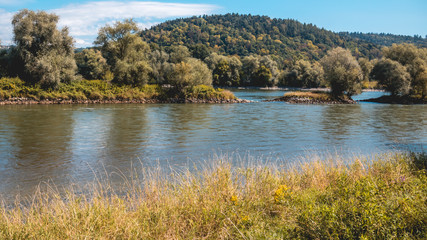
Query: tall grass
[380,199]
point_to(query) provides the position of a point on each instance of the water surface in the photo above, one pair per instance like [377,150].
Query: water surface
[69,143]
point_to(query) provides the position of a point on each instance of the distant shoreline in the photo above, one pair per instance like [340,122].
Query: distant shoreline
[294,89]
[27,101]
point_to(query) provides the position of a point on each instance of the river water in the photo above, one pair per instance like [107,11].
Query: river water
[67,144]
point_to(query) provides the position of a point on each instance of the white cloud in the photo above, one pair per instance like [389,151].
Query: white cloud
[85,19]
[80,41]
[6,27]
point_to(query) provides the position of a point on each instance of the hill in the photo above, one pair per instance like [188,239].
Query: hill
[234,34]
[386,39]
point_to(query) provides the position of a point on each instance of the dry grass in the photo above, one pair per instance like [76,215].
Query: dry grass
[310,95]
[382,198]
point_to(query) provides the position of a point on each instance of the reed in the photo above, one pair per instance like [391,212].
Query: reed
[379,198]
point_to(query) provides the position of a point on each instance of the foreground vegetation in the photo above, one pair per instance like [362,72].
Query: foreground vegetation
[16,90]
[381,198]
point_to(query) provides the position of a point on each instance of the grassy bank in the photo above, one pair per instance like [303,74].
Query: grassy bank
[14,88]
[382,199]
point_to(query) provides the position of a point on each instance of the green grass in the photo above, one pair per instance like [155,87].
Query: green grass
[382,198]
[100,90]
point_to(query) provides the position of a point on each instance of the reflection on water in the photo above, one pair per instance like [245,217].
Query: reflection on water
[67,144]
[339,121]
[32,139]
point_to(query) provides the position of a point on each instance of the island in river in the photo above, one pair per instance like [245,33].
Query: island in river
[324,97]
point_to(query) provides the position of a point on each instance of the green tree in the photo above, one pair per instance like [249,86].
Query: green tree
[405,53]
[161,68]
[226,70]
[342,72]
[5,58]
[125,52]
[302,74]
[91,64]
[254,71]
[392,76]
[415,61]
[189,73]
[46,53]
[221,74]
[250,64]
[200,51]
[178,53]
[262,76]
[366,67]
[419,81]
[271,65]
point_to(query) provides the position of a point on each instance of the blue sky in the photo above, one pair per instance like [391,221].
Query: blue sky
[83,17]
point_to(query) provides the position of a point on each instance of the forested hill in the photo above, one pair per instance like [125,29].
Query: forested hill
[386,39]
[234,34]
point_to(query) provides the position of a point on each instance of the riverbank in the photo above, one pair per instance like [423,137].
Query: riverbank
[300,97]
[379,198]
[27,101]
[15,91]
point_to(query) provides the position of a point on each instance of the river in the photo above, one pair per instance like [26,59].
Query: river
[67,144]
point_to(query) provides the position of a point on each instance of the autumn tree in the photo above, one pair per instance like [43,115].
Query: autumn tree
[46,53]
[125,52]
[342,72]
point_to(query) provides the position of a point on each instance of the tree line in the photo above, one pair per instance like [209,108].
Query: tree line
[45,55]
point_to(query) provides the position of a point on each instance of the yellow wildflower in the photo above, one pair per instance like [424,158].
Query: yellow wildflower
[280,193]
[234,199]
